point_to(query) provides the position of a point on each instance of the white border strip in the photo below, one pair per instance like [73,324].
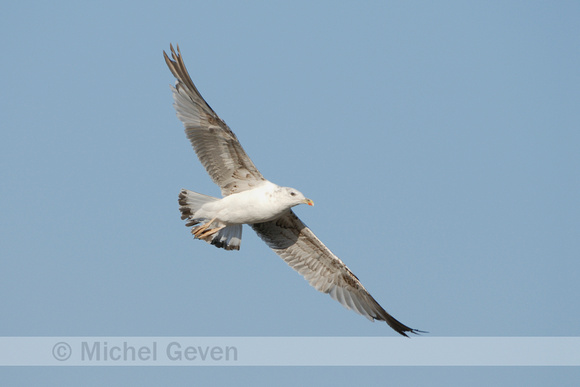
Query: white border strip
[289,351]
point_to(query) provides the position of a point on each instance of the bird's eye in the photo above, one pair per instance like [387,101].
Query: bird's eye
[293,193]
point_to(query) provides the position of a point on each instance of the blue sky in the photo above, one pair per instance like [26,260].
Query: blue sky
[439,142]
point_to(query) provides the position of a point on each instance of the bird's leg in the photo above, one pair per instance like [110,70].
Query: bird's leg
[210,232]
[196,231]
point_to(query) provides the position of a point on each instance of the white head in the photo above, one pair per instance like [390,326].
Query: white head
[294,197]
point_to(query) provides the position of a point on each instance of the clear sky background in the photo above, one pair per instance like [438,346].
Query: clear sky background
[439,140]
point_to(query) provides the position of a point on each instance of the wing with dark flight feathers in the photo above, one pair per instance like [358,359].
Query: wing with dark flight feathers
[216,146]
[297,245]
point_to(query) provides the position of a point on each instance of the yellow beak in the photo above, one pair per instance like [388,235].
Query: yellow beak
[309,202]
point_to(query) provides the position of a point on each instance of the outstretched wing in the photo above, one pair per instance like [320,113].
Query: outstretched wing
[216,146]
[304,252]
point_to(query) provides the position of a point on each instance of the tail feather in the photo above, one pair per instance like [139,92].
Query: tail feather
[229,238]
[190,202]
[211,231]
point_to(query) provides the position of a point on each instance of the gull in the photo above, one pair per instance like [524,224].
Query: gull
[248,198]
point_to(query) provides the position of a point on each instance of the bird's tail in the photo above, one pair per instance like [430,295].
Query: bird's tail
[210,230]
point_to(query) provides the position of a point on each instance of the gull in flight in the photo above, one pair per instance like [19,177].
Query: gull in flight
[248,198]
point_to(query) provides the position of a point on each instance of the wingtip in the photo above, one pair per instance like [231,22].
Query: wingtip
[172,49]
[417,332]
[174,54]
[398,326]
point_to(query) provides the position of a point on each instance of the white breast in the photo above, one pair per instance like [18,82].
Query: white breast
[253,206]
